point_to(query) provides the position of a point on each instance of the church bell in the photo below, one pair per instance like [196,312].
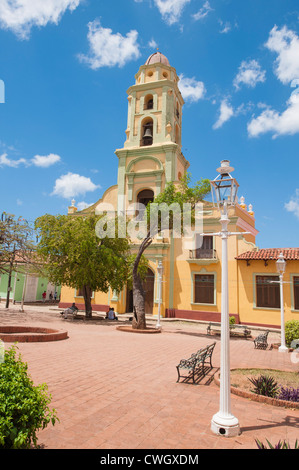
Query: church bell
[147,133]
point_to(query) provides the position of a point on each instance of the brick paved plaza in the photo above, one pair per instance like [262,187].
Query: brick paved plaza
[118,390]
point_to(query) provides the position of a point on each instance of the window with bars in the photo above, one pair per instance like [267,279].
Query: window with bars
[267,291]
[79,293]
[296,292]
[204,288]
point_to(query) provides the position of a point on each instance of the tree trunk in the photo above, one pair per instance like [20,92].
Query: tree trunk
[139,321]
[87,292]
[9,278]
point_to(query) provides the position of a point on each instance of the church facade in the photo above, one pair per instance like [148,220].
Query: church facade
[191,280]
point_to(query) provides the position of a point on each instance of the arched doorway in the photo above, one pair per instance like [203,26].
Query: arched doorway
[148,286]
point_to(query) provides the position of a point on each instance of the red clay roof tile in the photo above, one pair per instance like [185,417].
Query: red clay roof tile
[271,253]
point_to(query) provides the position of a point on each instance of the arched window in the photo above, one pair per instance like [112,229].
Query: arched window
[144,197]
[148,102]
[177,135]
[147,132]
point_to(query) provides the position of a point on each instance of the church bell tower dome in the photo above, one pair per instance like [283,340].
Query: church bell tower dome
[157,58]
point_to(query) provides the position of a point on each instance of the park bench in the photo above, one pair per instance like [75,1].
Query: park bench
[260,342]
[196,363]
[235,330]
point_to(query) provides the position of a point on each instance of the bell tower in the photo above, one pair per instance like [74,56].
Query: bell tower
[151,155]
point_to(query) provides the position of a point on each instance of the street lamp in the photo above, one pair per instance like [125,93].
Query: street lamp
[160,274]
[281,267]
[224,189]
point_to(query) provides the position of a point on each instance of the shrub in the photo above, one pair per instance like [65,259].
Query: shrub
[279,445]
[291,331]
[232,322]
[265,385]
[289,394]
[23,407]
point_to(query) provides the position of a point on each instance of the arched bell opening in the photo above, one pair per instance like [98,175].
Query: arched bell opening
[147,132]
[148,102]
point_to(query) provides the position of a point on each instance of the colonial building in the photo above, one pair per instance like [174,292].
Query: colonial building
[191,284]
[27,286]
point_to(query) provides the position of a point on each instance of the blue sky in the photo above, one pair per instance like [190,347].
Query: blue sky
[66,66]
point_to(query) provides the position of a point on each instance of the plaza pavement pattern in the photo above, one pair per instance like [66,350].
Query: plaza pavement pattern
[117,390]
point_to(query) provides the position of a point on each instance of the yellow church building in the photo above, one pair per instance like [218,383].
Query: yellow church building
[191,281]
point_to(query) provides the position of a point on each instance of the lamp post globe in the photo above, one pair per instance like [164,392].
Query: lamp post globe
[224,186]
[281,264]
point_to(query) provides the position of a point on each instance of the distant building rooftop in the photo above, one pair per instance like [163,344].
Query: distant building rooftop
[270,253]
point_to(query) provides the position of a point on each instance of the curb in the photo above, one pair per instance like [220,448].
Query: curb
[129,329]
[30,334]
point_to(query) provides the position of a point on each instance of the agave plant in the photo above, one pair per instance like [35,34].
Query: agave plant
[280,445]
[264,385]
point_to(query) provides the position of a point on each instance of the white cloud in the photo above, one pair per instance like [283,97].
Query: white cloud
[285,123]
[45,161]
[226,112]
[171,10]
[225,27]
[152,43]
[21,15]
[83,205]
[293,204]
[5,161]
[203,12]
[285,43]
[191,89]
[37,160]
[108,49]
[72,184]
[250,73]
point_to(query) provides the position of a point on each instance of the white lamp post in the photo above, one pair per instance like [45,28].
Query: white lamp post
[225,189]
[281,266]
[160,274]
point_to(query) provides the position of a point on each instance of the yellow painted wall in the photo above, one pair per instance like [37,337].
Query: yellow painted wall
[249,313]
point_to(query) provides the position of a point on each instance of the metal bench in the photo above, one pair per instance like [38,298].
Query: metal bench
[69,311]
[235,330]
[196,363]
[260,342]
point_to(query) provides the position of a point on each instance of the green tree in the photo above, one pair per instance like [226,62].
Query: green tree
[174,196]
[76,257]
[16,247]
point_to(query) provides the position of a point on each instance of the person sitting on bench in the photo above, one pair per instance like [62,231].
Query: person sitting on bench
[73,309]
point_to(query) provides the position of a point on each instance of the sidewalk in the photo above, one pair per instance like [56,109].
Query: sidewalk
[118,390]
